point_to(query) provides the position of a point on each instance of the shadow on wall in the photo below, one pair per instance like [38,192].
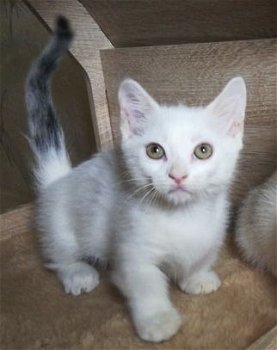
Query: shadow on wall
[22,38]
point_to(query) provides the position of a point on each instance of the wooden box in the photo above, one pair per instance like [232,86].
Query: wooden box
[179,51]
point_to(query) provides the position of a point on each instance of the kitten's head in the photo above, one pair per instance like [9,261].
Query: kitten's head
[178,151]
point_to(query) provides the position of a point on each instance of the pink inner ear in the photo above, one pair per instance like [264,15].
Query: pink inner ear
[229,107]
[228,113]
[125,113]
[135,103]
[234,128]
[133,128]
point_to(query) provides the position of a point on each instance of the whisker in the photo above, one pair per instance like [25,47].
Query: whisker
[138,190]
[146,195]
[153,197]
[132,180]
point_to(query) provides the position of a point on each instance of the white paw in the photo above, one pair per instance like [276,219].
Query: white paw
[78,278]
[201,283]
[159,326]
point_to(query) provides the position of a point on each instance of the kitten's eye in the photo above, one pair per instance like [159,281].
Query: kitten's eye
[155,151]
[203,151]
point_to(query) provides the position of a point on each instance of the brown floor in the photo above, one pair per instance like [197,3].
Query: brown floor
[36,313]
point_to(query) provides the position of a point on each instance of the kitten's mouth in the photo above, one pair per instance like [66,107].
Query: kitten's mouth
[178,189]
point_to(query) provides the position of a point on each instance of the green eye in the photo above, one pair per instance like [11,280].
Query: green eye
[155,151]
[203,151]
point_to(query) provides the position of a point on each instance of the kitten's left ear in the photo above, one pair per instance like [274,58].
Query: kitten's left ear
[229,107]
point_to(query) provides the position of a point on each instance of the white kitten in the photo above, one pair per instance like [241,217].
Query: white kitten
[256,232]
[154,208]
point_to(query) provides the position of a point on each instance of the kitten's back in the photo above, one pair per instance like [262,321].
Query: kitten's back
[256,226]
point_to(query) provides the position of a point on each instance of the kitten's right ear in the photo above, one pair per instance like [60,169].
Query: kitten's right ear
[135,106]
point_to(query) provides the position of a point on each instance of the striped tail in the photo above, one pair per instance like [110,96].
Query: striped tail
[46,135]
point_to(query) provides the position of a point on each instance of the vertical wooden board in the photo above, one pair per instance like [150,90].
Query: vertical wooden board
[162,22]
[195,74]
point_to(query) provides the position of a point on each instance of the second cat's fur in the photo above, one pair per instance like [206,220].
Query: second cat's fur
[156,207]
[256,232]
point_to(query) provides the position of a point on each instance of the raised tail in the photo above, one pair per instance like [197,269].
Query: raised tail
[46,135]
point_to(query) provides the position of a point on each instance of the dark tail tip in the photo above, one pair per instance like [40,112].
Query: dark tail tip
[63,28]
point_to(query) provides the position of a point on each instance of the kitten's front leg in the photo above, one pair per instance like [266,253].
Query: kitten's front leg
[202,279]
[201,282]
[145,286]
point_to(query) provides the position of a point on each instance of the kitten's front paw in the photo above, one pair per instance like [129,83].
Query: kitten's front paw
[201,283]
[78,278]
[159,326]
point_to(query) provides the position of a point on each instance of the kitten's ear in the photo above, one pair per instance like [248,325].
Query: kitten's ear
[135,106]
[229,107]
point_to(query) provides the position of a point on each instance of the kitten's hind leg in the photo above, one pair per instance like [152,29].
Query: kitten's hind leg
[64,255]
[77,277]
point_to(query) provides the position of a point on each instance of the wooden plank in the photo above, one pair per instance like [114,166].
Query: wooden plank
[89,39]
[195,74]
[159,22]
[266,342]
[16,222]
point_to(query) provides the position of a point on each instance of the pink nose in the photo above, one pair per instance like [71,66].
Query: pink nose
[177,178]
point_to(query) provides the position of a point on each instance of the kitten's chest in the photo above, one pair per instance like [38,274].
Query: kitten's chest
[190,231]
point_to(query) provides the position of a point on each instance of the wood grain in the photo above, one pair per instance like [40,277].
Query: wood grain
[162,22]
[195,74]
[89,39]
[266,342]
[16,221]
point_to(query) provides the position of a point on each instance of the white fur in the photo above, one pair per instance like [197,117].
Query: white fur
[52,166]
[119,206]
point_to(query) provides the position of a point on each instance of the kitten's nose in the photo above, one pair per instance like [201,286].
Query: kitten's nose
[177,178]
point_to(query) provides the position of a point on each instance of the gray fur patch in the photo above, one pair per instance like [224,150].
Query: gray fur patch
[45,130]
